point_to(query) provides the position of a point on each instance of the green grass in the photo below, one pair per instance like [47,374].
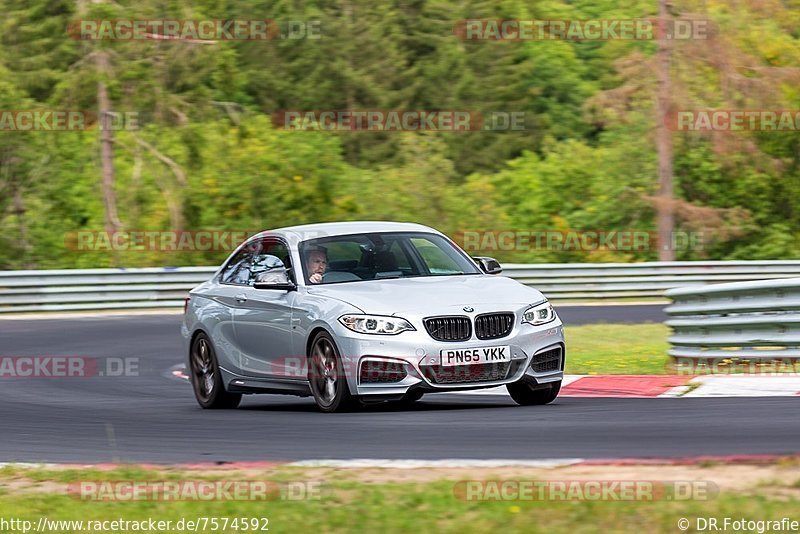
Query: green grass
[618,349]
[348,506]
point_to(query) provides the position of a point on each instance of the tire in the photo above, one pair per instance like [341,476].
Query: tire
[524,394]
[327,377]
[209,389]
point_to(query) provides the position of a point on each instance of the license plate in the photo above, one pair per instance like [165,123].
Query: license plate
[479,355]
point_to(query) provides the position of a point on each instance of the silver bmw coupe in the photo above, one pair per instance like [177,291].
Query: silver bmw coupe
[359,312]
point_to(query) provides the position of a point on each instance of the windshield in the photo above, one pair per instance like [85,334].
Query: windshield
[377,256]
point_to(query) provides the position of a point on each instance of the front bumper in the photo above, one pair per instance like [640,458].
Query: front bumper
[373,362]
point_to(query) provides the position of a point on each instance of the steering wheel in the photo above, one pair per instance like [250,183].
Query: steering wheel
[339,276]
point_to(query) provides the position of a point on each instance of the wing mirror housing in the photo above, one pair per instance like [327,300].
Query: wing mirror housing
[488,265]
[277,278]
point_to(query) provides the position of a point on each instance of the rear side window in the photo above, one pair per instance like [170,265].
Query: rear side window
[253,259]
[238,268]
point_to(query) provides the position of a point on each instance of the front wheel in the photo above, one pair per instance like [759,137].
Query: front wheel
[327,377]
[524,394]
[209,389]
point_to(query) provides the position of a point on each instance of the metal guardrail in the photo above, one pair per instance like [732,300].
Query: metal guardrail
[589,281]
[98,289]
[106,289]
[744,320]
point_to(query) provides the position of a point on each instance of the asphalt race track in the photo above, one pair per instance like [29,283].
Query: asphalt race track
[153,417]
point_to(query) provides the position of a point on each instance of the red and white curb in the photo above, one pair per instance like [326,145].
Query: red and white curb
[639,386]
[745,386]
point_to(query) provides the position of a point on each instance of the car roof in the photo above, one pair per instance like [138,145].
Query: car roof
[297,234]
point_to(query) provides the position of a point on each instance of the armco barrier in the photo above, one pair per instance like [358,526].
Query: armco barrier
[104,289]
[744,320]
[98,289]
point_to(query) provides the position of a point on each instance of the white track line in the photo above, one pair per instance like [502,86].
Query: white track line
[699,386]
[177,310]
[111,314]
[28,465]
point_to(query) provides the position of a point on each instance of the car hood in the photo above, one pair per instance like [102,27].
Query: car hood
[432,295]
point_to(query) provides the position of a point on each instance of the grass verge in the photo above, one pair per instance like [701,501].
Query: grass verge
[347,505]
[629,349]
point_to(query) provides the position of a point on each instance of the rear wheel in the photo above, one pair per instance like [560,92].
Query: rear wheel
[209,389]
[327,377]
[524,394]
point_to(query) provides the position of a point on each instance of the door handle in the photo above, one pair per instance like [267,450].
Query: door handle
[241,298]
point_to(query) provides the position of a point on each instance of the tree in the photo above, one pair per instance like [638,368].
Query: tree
[665,221]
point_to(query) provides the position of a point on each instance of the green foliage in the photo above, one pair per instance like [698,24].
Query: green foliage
[208,158]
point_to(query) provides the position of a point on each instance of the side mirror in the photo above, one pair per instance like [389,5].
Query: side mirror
[488,265]
[277,278]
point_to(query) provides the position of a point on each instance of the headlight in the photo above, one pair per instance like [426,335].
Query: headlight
[540,314]
[375,324]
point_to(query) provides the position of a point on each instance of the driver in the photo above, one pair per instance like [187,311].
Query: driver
[316,263]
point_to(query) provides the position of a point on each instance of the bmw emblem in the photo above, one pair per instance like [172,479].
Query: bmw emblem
[468,309]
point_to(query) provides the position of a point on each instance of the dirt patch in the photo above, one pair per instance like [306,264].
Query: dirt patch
[780,480]
[726,477]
